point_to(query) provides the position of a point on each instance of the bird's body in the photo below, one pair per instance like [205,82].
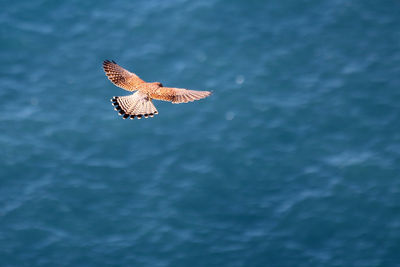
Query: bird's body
[140,103]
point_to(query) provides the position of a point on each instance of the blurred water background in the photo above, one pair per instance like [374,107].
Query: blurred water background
[293,161]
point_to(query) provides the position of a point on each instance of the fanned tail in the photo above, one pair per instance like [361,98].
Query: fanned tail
[137,105]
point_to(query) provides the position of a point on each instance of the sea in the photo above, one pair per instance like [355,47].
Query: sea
[294,160]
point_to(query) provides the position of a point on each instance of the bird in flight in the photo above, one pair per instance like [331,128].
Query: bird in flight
[140,104]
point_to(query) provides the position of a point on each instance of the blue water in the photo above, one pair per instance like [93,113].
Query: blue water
[293,161]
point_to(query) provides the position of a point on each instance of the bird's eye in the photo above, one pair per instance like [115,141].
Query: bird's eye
[160,84]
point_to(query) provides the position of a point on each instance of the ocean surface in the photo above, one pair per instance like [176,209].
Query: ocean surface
[293,161]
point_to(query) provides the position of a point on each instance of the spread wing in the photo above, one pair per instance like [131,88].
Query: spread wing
[121,77]
[178,95]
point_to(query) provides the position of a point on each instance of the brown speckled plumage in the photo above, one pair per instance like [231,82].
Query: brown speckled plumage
[140,103]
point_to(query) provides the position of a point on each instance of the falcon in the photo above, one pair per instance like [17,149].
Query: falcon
[140,104]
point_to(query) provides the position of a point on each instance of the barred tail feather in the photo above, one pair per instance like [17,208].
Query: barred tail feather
[133,106]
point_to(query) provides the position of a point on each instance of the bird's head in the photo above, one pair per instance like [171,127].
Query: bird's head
[158,84]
